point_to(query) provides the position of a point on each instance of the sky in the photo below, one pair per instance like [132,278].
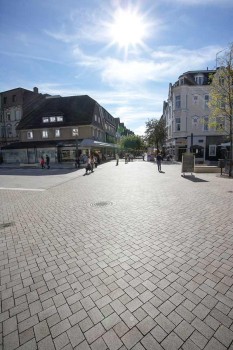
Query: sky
[121,53]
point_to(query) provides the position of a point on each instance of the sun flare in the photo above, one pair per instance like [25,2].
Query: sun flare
[128,28]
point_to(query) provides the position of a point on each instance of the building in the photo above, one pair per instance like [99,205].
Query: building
[63,127]
[187,118]
[13,105]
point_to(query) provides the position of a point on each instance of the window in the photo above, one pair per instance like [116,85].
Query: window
[96,118]
[9,130]
[52,119]
[8,116]
[4,100]
[195,99]
[177,124]
[178,103]
[220,123]
[45,120]
[206,101]
[45,134]
[206,124]
[181,81]
[60,118]
[195,121]
[57,133]
[212,150]
[199,79]
[13,98]
[29,135]
[75,132]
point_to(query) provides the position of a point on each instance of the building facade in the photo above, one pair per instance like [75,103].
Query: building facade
[187,118]
[13,105]
[63,128]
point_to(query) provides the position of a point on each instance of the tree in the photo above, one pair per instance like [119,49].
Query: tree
[156,132]
[221,99]
[132,143]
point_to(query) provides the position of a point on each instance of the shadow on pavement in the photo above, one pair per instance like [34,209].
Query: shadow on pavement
[37,172]
[193,178]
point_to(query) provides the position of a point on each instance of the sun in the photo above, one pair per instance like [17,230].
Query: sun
[128,28]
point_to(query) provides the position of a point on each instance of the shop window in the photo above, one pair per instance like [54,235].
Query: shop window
[212,150]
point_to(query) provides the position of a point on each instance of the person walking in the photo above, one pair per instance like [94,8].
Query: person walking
[117,159]
[159,161]
[47,161]
[42,162]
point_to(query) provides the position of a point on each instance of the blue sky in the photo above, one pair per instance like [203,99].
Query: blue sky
[123,53]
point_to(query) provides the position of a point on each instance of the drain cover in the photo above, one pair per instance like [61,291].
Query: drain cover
[7,224]
[101,204]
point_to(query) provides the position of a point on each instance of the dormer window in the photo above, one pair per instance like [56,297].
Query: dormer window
[199,79]
[52,119]
[60,118]
[45,120]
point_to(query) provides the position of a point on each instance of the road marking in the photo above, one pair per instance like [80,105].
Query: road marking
[22,189]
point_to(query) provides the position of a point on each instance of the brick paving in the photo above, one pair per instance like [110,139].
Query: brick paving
[125,258]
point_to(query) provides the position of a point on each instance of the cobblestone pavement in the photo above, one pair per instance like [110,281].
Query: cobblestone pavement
[125,258]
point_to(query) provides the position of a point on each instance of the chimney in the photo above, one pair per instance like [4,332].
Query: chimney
[36,90]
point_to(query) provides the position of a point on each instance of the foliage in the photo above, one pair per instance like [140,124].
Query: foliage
[221,98]
[156,132]
[132,143]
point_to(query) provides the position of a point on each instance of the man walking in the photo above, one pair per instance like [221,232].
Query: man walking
[159,161]
[117,159]
[47,161]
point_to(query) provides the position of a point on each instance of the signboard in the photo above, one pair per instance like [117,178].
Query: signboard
[187,163]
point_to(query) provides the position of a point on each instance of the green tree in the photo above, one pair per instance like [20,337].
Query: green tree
[156,132]
[132,143]
[221,99]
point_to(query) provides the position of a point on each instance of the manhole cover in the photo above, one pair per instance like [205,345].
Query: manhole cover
[101,204]
[7,224]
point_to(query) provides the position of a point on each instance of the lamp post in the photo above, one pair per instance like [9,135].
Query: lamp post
[76,134]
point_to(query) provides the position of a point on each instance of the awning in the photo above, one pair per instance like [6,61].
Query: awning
[93,143]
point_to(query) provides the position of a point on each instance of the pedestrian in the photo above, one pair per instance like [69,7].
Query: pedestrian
[42,162]
[77,162]
[92,163]
[88,166]
[47,161]
[159,161]
[117,159]
[126,158]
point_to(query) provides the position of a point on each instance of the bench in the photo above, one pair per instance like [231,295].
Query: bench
[206,169]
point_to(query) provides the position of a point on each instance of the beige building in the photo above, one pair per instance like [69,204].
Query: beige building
[187,118]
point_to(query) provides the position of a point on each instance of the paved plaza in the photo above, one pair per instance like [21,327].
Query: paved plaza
[124,258]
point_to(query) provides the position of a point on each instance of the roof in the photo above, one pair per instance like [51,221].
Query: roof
[99,144]
[76,110]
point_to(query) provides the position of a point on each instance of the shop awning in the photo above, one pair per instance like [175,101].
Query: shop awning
[94,143]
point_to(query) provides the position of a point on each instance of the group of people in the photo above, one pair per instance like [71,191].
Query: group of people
[45,162]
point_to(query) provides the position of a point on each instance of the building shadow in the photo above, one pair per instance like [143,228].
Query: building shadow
[36,172]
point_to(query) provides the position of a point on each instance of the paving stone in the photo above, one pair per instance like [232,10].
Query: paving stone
[112,340]
[150,343]
[9,325]
[224,335]
[75,335]
[41,330]
[46,343]
[172,341]
[11,341]
[94,333]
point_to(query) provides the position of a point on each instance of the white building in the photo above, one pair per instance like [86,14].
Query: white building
[187,118]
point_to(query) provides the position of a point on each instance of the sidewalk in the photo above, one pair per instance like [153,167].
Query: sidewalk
[124,258]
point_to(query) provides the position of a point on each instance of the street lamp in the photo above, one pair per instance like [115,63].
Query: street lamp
[76,134]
